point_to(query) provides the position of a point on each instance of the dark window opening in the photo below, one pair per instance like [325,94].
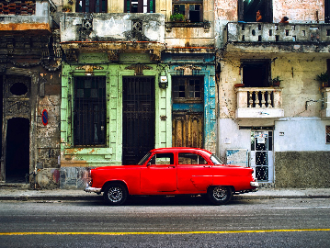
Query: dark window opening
[187,88]
[192,10]
[327,11]
[18,89]
[256,73]
[139,6]
[247,10]
[327,134]
[89,111]
[91,6]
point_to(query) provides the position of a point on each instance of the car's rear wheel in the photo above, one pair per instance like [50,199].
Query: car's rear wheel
[219,194]
[115,194]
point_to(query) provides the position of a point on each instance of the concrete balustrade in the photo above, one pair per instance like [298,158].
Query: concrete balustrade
[259,102]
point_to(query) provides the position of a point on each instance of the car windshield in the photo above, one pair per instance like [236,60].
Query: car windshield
[215,159]
[144,159]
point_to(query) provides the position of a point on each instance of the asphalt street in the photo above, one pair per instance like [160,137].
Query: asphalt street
[169,222]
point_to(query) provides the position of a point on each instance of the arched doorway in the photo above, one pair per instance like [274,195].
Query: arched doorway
[17,150]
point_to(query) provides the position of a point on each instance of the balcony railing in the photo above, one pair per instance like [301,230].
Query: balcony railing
[325,107]
[301,37]
[259,102]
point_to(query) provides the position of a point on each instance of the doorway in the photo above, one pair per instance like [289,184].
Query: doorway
[262,155]
[138,118]
[17,150]
[188,112]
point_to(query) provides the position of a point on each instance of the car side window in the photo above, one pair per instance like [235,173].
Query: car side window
[190,158]
[162,158]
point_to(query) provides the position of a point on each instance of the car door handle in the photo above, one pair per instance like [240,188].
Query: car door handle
[171,167]
[207,166]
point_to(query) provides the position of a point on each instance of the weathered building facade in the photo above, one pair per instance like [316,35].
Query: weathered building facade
[133,79]
[30,94]
[281,131]
[103,82]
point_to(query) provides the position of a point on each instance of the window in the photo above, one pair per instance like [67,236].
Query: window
[327,134]
[192,10]
[139,6]
[91,6]
[187,88]
[190,158]
[89,111]
[162,158]
[247,10]
[256,73]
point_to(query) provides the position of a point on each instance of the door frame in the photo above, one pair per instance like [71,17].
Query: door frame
[153,84]
[34,96]
[270,156]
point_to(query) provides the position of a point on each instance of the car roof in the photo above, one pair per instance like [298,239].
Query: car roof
[181,149]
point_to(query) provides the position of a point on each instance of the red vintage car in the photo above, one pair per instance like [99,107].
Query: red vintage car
[172,171]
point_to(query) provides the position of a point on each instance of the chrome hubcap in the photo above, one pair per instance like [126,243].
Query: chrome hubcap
[115,194]
[220,193]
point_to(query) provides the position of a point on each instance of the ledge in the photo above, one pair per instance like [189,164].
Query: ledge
[259,113]
[169,25]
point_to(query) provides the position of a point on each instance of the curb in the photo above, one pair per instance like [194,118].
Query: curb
[100,198]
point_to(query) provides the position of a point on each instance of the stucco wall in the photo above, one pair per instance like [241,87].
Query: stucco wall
[302,169]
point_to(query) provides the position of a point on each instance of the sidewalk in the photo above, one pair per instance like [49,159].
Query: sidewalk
[62,194]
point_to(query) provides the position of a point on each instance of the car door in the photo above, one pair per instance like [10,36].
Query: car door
[194,172]
[159,175]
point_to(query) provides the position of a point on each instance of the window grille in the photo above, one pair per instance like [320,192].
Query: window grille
[89,111]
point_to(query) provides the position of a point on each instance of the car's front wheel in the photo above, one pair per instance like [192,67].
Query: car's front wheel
[219,194]
[115,194]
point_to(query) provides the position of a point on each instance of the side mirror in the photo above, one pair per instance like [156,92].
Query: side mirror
[148,164]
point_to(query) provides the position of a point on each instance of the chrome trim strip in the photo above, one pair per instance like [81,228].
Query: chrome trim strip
[92,189]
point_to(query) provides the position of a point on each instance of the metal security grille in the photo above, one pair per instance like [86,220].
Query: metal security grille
[89,111]
[138,118]
[261,154]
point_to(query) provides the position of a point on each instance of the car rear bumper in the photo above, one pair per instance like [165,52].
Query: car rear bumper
[92,189]
[254,184]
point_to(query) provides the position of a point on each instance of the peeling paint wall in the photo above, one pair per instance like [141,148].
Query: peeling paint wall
[112,27]
[299,11]
[301,132]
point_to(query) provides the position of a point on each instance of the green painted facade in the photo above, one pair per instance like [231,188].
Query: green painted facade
[111,153]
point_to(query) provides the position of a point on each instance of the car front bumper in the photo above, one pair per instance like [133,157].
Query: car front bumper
[92,189]
[254,184]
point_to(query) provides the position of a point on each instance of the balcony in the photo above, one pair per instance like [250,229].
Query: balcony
[325,107]
[112,33]
[277,37]
[26,16]
[258,102]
